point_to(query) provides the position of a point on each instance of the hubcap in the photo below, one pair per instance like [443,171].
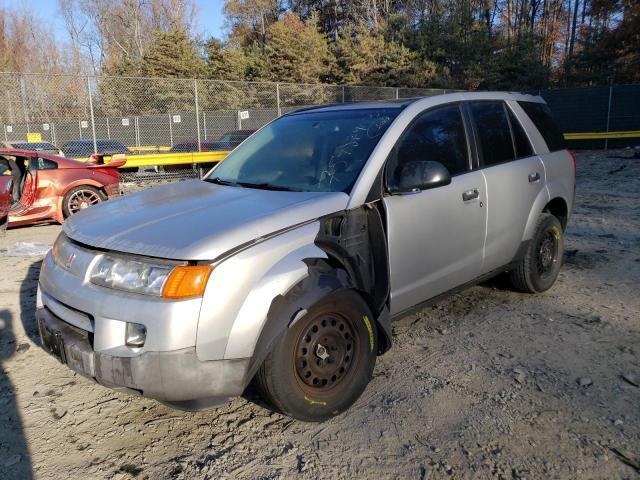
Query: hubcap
[82,199]
[324,352]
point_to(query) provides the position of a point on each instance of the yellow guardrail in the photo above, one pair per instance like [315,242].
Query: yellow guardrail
[150,148]
[161,159]
[601,135]
[172,158]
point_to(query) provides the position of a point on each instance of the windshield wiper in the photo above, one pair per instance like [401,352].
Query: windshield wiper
[268,186]
[220,181]
[262,186]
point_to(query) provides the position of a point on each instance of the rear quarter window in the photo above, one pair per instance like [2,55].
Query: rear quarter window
[541,116]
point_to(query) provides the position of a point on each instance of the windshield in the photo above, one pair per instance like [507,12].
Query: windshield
[310,151]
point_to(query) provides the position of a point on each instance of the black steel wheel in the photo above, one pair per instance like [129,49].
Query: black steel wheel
[324,361]
[324,353]
[538,270]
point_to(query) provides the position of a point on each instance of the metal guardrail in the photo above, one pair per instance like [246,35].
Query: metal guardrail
[150,149]
[167,159]
[601,135]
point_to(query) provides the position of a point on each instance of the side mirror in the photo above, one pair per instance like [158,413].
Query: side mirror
[413,177]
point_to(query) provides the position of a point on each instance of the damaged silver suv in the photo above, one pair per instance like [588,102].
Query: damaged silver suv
[286,265]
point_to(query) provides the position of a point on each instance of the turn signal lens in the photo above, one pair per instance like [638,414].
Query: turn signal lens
[187,281]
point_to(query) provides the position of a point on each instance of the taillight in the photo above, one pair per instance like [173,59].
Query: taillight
[112,172]
[573,158]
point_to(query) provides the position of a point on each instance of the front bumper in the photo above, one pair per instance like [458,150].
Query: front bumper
[176,377]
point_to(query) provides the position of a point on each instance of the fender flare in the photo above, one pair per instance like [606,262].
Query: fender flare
[552,191]
[84,181]
[538,205]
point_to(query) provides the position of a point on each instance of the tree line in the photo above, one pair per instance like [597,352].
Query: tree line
[466,44]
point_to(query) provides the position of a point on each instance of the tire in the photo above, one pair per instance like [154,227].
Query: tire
[299,378]
[539,268]
[73,200]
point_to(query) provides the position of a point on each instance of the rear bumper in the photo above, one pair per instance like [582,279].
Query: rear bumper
[176,377]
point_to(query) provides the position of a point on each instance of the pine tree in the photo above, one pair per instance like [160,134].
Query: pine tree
[295,51]
[172,55]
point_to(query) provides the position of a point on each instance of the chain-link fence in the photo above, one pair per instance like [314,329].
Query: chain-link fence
[83,115]
[87,114]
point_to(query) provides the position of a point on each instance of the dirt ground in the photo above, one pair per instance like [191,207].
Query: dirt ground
[486,384]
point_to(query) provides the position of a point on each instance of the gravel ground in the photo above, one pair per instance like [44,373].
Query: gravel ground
[486,384]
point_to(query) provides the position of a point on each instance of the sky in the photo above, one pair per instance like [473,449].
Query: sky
[210,19]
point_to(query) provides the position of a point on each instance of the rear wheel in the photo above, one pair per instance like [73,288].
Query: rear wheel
[79,198]
[539,268]
[323,363]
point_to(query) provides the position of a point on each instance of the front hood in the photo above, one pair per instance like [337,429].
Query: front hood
[195,220]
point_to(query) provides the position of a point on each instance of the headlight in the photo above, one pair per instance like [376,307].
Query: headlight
[62,251]
[130,275]
[182,281]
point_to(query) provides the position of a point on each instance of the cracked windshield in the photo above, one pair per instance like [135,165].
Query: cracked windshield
[328,153]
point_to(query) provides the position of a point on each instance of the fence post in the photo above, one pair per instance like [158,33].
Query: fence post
[137,130]
[606,140]
[23,95]
[53,134]
[239,122]
[170,130]
[278,99]
[204,125]
[342,93]
[80,128]
[195,90]
[93,119]
[108,130]
[397,93]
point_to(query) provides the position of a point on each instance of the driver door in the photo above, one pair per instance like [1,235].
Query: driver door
[436,236]
[6,183]
[27,188]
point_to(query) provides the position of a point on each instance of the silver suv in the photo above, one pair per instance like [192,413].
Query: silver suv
[286,265]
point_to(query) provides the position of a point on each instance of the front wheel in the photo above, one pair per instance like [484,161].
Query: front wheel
[323,362]
[79,198]
[538,270]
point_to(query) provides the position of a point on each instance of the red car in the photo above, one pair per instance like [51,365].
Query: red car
[49,187]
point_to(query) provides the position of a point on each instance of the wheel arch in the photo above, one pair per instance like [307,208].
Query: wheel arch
[81,183]
[558,208]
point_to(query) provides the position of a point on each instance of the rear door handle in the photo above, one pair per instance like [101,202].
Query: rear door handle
[470,194]
[534,177]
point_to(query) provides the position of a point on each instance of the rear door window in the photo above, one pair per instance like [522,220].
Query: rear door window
[494,135]
[523,146]
[540,115]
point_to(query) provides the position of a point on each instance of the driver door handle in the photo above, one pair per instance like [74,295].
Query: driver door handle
[470,194]
[534,177]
